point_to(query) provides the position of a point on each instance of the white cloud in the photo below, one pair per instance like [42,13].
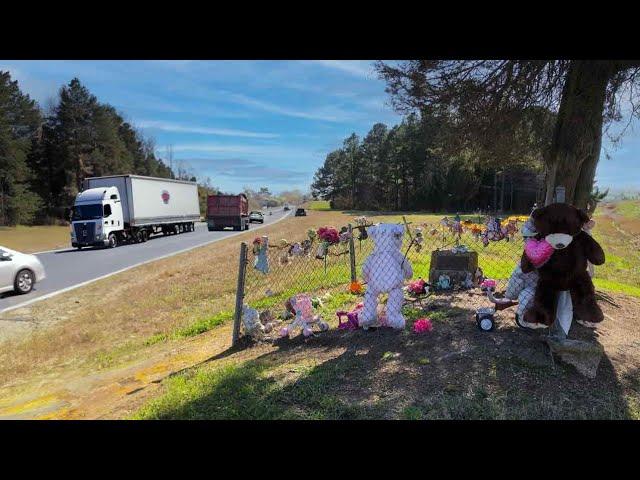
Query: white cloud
[263,151]
[357,68]
[327,114]
[176,127]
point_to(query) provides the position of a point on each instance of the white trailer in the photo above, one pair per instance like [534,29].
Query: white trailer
[130,208]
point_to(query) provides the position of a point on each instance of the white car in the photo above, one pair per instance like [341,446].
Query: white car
[256,217]
[19,271]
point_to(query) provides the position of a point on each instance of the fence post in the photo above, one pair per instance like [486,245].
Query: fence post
[352,255]
[242,271]
[556,329]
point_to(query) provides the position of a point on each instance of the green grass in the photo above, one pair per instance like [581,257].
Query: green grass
[251,390]
[196,328]
[321,205]
[616,287]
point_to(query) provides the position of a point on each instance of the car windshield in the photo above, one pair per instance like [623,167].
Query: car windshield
[92,211]
[255,213]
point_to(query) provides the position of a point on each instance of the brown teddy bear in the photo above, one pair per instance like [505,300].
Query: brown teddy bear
[560,226]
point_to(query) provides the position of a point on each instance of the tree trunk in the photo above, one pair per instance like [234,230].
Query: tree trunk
[575,149]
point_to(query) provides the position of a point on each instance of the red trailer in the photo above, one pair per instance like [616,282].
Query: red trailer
[227,211]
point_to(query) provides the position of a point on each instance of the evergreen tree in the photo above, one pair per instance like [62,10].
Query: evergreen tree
[19,126]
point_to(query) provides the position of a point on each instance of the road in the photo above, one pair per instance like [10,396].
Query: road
[70,268]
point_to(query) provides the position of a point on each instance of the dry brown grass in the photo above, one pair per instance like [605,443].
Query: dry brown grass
[107,322]
[34,239]
[101,330]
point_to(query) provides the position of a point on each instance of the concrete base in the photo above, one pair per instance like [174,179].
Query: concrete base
[584,356]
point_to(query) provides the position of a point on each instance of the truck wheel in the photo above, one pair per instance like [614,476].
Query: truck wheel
[145,235]
[113,240]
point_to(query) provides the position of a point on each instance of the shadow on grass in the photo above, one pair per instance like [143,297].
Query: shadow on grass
[454,372]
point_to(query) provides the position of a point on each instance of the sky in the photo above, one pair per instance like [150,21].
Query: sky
[255,123]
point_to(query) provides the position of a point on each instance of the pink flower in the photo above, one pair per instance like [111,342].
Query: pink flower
[329,234]
[417,287]
[422,325]
[488,283]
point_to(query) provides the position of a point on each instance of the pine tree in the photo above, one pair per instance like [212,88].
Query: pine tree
[19,124]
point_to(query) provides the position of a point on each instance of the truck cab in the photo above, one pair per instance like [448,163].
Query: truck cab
[96,218]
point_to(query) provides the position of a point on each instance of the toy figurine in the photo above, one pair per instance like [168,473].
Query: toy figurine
[261,247]
[444,282]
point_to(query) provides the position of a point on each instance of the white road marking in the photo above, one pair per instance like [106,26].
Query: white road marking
[82,284]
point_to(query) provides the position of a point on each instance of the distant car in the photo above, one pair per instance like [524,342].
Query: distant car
[256,217]
[301,212]
[19,271]
[286,208]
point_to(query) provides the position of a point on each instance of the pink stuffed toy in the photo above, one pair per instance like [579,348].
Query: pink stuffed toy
[305,318]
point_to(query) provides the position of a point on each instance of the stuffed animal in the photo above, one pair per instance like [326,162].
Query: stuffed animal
[385,271]
[560,226]
[251,321]
[302,305]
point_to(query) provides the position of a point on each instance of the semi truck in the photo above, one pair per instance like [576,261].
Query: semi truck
[118,209]
[227,211]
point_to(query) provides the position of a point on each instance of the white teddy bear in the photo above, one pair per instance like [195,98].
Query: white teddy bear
[384,271]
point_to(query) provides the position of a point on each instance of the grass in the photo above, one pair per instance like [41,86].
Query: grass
[98,327]
[490,384]
[257,390]
[629,208]
[319,205]
[386,376]
[190,294]
[34,239]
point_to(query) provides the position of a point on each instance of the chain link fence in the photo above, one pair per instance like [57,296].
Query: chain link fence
[451,263]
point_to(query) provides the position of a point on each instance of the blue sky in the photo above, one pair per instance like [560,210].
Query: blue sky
[254,123]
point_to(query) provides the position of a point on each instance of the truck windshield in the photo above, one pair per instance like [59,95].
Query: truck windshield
[87,212]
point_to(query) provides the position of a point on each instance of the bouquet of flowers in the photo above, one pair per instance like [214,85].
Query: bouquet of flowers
[329,235]
[417,287]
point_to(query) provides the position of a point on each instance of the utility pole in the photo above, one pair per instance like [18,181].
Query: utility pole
[502,194]
[170,157]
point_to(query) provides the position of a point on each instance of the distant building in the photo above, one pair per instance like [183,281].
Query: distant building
[512,191]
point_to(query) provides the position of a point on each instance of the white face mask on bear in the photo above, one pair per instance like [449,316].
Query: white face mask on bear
[559,240]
